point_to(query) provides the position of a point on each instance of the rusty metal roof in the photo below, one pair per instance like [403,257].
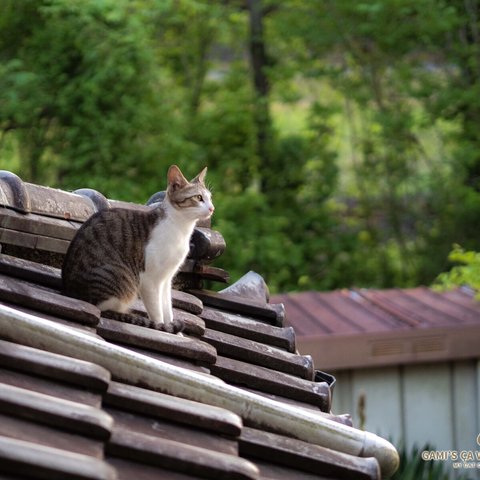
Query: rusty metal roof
[362,327]
[72,413]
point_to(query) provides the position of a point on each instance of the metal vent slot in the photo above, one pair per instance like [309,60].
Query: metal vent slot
[387,348]
[429,344]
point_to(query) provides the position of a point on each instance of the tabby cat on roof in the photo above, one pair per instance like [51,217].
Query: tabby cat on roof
[119,254]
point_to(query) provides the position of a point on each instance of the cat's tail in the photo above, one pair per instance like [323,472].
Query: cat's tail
[175,327]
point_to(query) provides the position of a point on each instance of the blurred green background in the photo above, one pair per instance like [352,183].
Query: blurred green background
[342,137]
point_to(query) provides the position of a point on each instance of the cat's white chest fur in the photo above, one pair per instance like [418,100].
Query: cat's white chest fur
[167,247]
[165,252]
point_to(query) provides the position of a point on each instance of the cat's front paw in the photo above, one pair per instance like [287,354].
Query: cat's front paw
[175,326]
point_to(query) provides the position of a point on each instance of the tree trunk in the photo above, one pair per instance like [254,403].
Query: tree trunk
[258,55]
[258,60]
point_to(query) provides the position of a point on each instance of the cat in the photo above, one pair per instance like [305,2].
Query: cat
[120,254]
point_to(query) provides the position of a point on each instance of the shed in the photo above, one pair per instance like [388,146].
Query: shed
[407,361]
[86,397]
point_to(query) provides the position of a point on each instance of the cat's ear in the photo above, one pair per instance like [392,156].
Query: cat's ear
[200,178]
[175,178]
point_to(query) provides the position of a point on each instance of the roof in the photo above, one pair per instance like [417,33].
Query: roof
[86,397]
[384,327]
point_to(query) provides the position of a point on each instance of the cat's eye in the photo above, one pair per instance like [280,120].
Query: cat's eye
[199,198]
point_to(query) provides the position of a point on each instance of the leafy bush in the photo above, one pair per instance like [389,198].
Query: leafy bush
[467,273]
[413,467]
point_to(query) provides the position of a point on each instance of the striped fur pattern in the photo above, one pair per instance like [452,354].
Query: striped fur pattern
[120,254]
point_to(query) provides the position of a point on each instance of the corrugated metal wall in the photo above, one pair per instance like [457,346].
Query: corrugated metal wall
[438,404]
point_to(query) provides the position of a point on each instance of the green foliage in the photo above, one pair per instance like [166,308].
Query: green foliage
[466,273]
[397,83]
[360,167]
[413,467]
[289,222]
[80,93]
